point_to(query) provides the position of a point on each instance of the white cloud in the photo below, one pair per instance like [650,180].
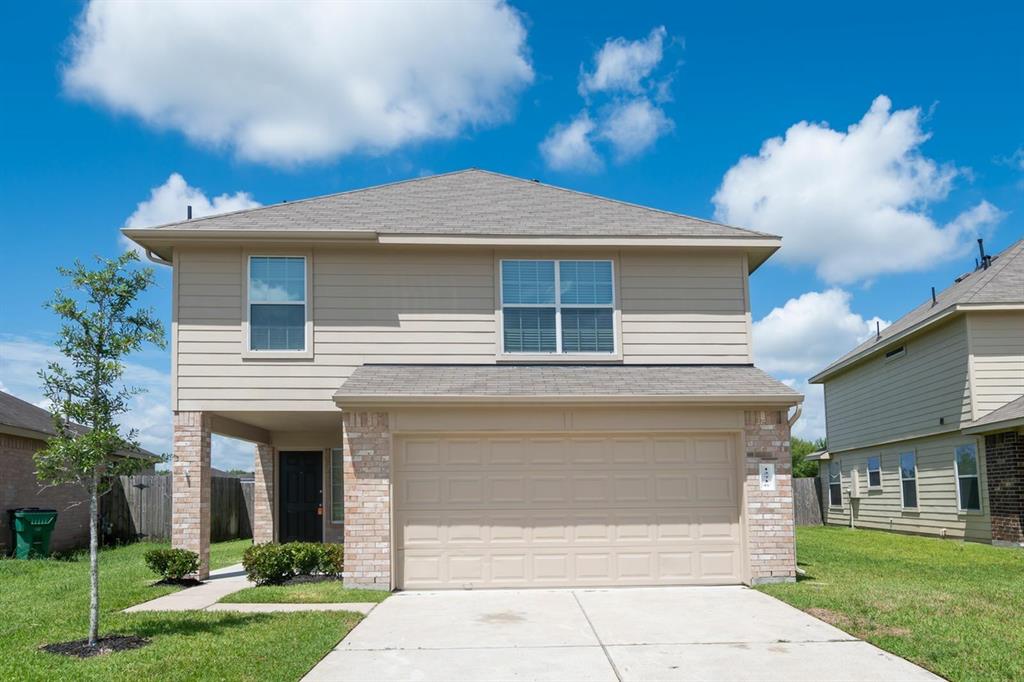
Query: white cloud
[568,146]
[168,203]
[21,358]
[803,336]
[623,64]
[291,82]
[852,204]
[633,127]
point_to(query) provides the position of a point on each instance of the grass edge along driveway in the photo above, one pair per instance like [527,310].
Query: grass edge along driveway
[955,608]
[47,601]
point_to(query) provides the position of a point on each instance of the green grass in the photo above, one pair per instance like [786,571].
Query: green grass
[327,592]
[955,608]
[47,601]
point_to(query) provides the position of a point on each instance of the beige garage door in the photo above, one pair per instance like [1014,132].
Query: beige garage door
[556,511]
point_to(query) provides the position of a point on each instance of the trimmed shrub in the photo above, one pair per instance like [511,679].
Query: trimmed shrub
[268,563]
[332,559]
[172,564]
[306,557]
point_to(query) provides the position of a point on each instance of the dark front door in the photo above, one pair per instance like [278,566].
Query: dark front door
[302,497]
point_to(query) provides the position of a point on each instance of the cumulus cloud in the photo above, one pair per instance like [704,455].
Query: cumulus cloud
[291,82]
[22,357]
[633,127]
[568,146]
[167,204]
[804,335]
[853,204]
[623,64]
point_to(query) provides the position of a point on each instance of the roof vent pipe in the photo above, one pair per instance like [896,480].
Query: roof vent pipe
[935,301]
[878,330]
[985,260]
[188,212]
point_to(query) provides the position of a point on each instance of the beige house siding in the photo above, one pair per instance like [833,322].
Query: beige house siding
[408,305]
[885,400]
[937,512]
[997,358]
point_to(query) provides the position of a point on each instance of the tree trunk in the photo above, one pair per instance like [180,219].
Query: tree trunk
[94,558]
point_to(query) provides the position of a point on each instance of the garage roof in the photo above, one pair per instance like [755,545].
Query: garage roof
[706,384]
[1008,416]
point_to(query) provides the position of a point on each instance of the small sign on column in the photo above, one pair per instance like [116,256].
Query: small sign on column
[767,475]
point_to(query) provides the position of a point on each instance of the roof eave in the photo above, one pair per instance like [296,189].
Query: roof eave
[1001,425]
[365,400]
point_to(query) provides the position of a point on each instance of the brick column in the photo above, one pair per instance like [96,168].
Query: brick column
[263,494]
[190,492]
[366,467]
[1004,468]
[771,536]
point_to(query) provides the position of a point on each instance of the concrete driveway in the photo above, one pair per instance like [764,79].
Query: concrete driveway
[663,633]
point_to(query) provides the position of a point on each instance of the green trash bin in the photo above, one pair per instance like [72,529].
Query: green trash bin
[31,528]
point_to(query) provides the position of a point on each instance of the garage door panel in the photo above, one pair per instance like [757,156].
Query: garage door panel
[509,511]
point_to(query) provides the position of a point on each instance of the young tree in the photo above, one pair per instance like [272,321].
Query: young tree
[100,325]
[800,448]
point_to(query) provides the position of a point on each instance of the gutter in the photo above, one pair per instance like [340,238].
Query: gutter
[781,400]
[1004,425]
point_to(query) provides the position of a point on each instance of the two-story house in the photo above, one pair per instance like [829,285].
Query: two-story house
[926,422]
[476,380]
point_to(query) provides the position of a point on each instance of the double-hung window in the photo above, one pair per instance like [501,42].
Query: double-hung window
[874,472]
[908,480]
[835,484]
[968,489]
[557,307]
[277,303]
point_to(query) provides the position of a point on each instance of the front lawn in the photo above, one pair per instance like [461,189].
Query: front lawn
[325,592]
[47,601]
[955,608]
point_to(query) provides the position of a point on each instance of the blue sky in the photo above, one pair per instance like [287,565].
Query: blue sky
[709,83]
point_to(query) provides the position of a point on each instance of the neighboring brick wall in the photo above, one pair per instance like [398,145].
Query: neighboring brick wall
[366,439]
[771,536]
[19,487]
[263,494]
[190,493]
[1004,466]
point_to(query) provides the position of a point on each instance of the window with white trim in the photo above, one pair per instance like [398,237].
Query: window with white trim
[277,303]
[557,306]
[968,486]
[835,484]
[908,480]
[874,472]
[337,487]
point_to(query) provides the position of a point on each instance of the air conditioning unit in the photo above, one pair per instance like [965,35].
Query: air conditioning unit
[854,484]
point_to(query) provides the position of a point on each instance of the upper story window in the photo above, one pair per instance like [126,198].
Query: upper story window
[874,472]
[557,306]
[277,303]
[967,486]
[908,480]
[835,484]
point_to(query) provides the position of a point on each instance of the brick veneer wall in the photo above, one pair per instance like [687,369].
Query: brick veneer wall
[190,487]
[263,494]
[366,466]
[771,534]
[19,487]
[1004,466]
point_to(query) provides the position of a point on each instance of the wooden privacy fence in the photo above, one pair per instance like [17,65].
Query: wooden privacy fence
[139,508]
[807,501]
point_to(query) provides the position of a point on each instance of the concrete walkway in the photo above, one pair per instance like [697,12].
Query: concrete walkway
[223,582]
[684,633]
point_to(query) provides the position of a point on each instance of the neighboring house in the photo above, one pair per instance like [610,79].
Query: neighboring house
[24,429]
[926,422]
[475,380]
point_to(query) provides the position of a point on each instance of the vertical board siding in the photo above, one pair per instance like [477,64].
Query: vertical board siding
[997,349]
[404,305]
[937,512]
[807,501]
[882,400]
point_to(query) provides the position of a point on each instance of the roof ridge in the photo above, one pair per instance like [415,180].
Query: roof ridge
[999,263]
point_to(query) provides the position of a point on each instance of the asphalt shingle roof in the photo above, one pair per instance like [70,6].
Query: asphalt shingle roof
[1002,282]
[562,381]
[1008,412]
[468,202]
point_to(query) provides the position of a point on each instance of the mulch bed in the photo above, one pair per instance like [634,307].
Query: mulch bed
[105,645]
[183,582]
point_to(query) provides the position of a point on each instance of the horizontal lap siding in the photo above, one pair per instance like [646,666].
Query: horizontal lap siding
[880,401]
[997,346]
[687,309]
[936,490]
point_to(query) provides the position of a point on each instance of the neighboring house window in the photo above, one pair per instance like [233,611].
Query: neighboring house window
[337,487]
[874,472]
[908,479]
[967,486]
[277,303]
[835,484]
[551,306]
